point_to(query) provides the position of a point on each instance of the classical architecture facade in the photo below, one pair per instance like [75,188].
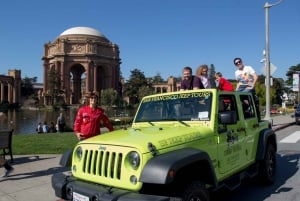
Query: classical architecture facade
[172,85]
[79,61]
[10,87]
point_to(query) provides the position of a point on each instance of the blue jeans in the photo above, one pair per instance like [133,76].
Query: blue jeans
[243,88]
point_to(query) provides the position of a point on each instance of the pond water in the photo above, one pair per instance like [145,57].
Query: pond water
[25,121]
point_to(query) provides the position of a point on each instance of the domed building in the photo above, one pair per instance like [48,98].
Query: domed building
[79,61]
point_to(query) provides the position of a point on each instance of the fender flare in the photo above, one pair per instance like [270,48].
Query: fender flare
[265,136]
[157,169]
[66,158]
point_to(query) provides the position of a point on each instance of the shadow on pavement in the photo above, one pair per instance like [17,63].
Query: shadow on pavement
[252,190]
[27,172]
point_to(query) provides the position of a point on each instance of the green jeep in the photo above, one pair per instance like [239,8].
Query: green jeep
[181,146]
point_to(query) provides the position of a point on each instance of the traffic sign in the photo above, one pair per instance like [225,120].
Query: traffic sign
[273,68]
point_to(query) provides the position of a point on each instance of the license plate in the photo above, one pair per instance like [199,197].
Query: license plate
[79,197]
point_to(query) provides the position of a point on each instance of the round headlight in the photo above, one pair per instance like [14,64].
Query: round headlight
[134,159]
[79,153]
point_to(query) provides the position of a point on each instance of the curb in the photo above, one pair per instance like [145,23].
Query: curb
[276,128]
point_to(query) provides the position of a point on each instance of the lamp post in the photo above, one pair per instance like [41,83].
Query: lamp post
[298,78]
[267,59]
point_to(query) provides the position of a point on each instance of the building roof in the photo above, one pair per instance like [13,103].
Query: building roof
[82,31]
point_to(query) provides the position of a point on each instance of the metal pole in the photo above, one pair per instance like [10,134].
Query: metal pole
[267,116]
[268,107]
[298,88]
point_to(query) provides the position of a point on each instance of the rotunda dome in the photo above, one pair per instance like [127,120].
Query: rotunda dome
[82,31]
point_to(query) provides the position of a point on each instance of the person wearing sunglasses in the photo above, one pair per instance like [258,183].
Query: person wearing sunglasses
[245,76]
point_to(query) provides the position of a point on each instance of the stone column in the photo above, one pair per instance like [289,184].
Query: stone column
[2,91]
[95,77]
[87,81]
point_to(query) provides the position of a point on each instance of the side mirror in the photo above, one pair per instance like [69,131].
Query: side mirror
[227,117]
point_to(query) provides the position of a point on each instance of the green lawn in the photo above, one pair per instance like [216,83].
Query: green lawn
[50,143]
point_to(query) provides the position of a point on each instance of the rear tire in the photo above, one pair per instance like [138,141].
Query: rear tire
[268,166]
[195,192]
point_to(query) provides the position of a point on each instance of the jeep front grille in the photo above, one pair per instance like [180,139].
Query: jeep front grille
[102,163]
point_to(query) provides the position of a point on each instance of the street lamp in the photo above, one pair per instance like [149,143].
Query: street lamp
[267,59]
[298,78]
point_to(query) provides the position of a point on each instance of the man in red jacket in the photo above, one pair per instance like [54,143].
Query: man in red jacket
[88,119]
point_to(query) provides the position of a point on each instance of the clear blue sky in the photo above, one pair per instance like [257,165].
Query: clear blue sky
[156,36]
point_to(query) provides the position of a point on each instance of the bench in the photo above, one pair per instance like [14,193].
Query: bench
[5,143]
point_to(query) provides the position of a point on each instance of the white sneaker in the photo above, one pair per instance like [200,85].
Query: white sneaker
[7,172]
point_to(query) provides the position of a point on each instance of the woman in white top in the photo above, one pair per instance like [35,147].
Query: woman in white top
[202,73]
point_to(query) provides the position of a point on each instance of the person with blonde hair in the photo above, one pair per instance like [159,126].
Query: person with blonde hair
[223,84]
[202,73]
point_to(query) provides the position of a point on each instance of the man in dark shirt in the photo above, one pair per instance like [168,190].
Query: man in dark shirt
[190,81]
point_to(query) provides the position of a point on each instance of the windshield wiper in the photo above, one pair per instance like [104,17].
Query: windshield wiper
[174,119]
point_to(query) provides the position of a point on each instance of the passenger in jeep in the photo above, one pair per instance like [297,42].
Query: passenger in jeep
[88,119]
[245,75]
[190,81]
[223,84]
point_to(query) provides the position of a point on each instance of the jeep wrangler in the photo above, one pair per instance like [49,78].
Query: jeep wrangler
[180,146]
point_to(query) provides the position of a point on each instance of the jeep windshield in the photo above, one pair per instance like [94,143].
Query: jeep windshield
[190,106]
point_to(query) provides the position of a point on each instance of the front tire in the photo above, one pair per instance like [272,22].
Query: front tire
[195,192]
[268,166]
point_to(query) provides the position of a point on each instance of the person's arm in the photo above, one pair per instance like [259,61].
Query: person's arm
[237,86]
[77,124]
[255,78]
[106,122]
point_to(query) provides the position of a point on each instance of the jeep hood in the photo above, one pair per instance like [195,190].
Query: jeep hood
[160,137]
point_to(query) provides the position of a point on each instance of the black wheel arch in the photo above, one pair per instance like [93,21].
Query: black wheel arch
[66,158]
[266,136]
[163,168]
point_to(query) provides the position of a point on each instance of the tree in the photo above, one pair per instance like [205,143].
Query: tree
[157,79]
[275,90]
[27,86]
[212,76]
[290,72]
[144,91]
[54,83]
[109,97]
[136,81]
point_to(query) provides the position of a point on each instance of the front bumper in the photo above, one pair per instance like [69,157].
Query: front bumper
[64,187]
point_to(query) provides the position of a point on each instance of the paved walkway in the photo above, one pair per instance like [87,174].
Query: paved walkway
[282,121]
[31,179]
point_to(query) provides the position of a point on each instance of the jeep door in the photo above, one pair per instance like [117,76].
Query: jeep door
[251,125]
[231,138]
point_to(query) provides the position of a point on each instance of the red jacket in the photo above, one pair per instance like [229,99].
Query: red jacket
[225,85]
[88,120]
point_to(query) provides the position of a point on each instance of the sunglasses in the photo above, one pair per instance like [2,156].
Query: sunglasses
[238,62]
